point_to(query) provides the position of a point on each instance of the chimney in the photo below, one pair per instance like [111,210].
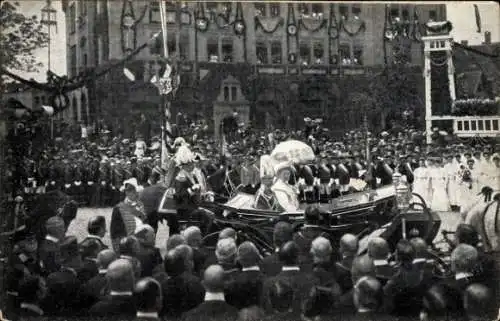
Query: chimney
[487,37]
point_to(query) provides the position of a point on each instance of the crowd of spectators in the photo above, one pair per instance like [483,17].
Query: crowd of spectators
[308,277]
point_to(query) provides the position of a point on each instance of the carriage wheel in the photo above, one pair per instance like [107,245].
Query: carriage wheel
[427,212]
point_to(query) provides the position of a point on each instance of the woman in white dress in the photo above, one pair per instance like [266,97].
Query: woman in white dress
[451,169]
[421,182]
[439,179]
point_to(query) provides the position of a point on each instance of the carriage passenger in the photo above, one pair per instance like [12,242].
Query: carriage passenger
[286,195]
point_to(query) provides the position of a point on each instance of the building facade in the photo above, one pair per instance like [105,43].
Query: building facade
[281,61]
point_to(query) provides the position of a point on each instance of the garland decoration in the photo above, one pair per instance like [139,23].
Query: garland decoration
[239,25]
[129,24]
[312,24]
[476,107]
[360,24]
[291,28]
[59,86]
[389,32]
[268,24]
[416,32]
[333,29]
[442,27]
[201,21]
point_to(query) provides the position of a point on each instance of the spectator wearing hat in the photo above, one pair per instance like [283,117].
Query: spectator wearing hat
[214,306]
[305,236]
[127,215]
[246,289]
[49,254]
[97,287]
[32,292]
[182,291]
[282,233]
[120,301]
[96,229]
[148,298]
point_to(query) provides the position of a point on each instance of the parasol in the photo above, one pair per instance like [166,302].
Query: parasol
[293,151]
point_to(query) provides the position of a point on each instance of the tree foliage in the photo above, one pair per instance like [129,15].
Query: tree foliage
[20,36]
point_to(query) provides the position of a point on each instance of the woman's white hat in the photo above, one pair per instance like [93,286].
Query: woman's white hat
[282,166]
[131,181]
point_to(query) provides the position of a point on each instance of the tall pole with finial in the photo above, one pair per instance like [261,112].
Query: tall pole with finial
[49,19]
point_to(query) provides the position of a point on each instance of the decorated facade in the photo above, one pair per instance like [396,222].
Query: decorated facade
[288,59]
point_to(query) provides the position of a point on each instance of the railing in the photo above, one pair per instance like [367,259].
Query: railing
[470,126]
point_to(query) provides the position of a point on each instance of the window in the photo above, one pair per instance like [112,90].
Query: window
[406,14]
[317,9]
[260,9]
[212,6]
[432,15]
[226,8]
[276,52]
[261,52]
[85,60]
[358,56]
[72,18]
[72,60]
[304,54]
[100,48]
[234,94]
[487,37]
[82,8]
[226,93]
[83,42]
[44,101]
[356,10]
[213,51]
[343,11]
[304,9]
[227,52]
[274,7]
[318,52]
[154,13]
[345,54]
[394,14]
[37,100]
[171,47]
[100,6]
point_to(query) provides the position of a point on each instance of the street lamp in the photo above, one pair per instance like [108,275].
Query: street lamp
[49,18]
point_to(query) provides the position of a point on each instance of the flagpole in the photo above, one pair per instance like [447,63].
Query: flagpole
[164,107]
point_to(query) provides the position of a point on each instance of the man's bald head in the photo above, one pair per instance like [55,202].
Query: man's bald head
[367,293]
[213,279]
[362,266]
[174,241]
[226,233]
[479,301]
[120,276]
[104,259]
[321,249]
[348,244]
[464,258]
[193,236]
[378,248]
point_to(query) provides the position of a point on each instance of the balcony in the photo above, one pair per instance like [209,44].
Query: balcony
[476,126]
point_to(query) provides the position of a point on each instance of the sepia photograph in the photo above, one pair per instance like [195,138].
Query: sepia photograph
[249,160]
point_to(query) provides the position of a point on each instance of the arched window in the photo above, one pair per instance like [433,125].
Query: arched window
[74,107]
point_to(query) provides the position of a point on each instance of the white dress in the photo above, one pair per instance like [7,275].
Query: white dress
[439,200]
[453,183]
[140,148]
[421,184]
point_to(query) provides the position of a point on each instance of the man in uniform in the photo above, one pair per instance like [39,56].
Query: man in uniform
[92,182]
[324,176]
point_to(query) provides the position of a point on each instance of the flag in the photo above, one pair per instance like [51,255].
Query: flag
[478,18]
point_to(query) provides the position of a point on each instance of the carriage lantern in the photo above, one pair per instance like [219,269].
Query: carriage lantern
[402,192]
